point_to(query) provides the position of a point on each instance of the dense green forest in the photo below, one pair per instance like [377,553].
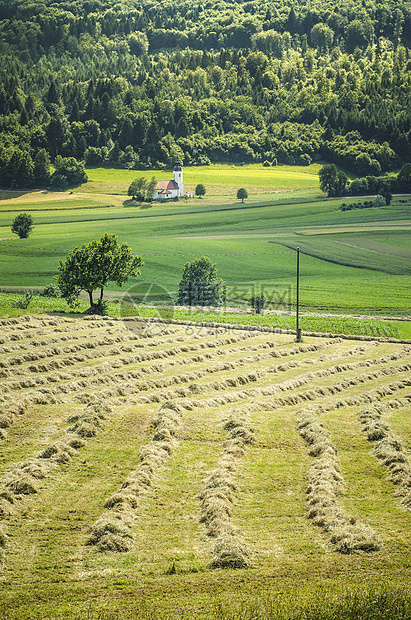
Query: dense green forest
[138,83]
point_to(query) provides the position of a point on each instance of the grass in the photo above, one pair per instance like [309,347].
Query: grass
[329,324]
[229,402]
[351,262]
[219,180]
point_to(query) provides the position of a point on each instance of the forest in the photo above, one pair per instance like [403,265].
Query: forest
[137,84]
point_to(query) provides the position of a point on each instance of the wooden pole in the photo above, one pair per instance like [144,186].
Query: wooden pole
[298,330]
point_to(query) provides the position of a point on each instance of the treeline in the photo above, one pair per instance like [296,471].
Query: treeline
[105,83]
[37,27]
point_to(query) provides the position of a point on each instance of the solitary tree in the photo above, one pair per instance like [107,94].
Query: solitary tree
[200,190]
[242,193]
[22,225]
[137,188]
[93,265]
[200,285]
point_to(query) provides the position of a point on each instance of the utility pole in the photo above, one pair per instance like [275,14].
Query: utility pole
[298,330]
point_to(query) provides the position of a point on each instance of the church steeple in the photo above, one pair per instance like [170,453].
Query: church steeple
[178,177]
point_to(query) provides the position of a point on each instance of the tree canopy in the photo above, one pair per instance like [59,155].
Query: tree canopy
[200,284]
[200,190]
[95,264]
[242,194]
[137,85]
[22,225]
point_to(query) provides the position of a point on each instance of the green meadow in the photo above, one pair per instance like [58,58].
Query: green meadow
[219,179]
[354,261]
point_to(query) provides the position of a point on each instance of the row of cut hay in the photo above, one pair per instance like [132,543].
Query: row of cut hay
[124,390]
[217,497]
[112,531]
[9,413]
[268,403]
[66,349]
[324,485]
[32,382]
[74,360]
[54,364]
[110,337]
[388,449]
[16,332]
[289,385]
[24,478]
[96,381]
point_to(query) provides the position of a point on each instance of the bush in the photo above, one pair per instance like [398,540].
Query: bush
[51,290]
[24,301]
[379,201]
[257,302]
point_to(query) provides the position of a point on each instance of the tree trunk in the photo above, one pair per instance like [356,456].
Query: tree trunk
[90,294]
[101,294]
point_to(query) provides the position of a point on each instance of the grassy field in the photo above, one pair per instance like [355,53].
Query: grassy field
[155,469]
[219,179]
[12,305]
[354,261]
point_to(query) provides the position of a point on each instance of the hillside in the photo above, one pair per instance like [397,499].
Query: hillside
[137,84]
[354,261]
[157,469]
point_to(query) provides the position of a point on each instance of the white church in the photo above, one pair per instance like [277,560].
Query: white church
[171,189]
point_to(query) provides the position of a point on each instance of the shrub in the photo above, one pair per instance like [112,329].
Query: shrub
[257,302]
[51,290]
[24,301]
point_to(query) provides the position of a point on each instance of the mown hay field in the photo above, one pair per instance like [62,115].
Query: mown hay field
[159,469]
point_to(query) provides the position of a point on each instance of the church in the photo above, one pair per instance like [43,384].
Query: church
[165,190]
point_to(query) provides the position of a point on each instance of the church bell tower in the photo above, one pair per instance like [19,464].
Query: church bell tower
[178,177]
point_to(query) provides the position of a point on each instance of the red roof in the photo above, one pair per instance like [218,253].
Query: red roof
[162,185]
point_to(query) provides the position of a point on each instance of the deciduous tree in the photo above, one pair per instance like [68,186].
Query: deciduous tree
[95,264]
[200,190]
[242,194]
[22,225]
[200,285]
[137,188]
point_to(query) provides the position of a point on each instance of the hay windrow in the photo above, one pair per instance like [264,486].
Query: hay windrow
[26,478]
[388,448]
[325,484]
[153,455]
[110,535]
[218,496]
[68,362]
